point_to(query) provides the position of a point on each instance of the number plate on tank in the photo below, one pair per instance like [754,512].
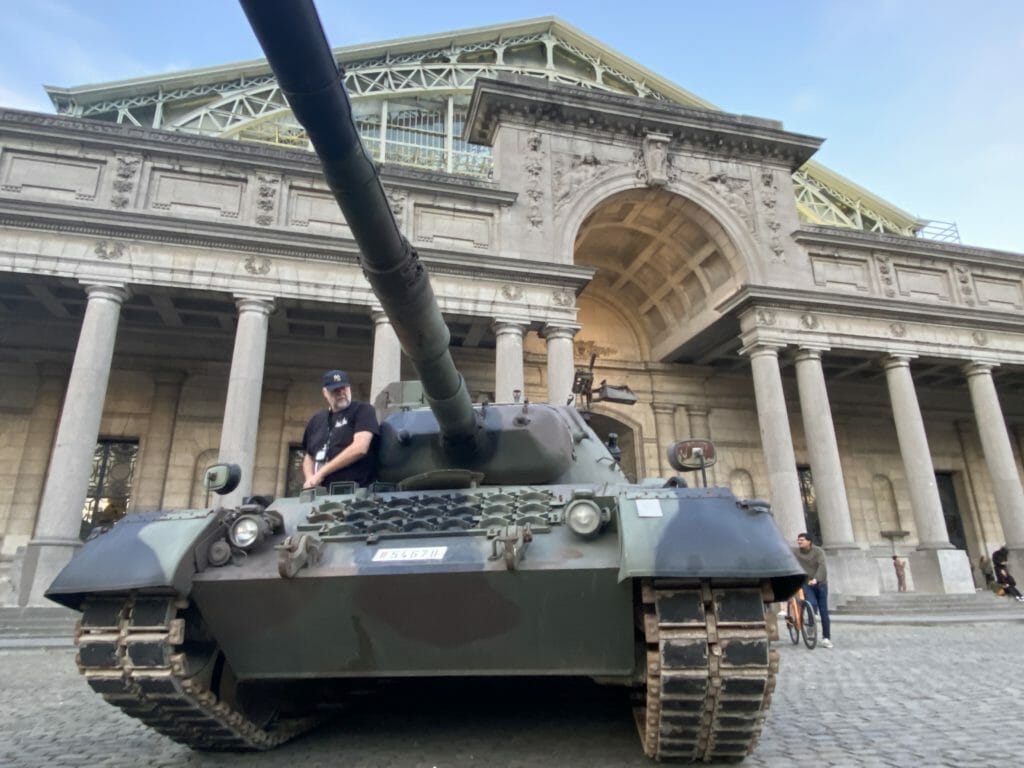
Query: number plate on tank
[404,554]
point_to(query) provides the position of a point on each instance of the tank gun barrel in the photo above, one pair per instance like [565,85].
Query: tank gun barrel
[297,50]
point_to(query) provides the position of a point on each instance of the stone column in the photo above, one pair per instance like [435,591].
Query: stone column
[508,360]
[665,429]
[561,362]
[156,445]
[777,440]
[60,514]
[850,572]
[936,565]
[35,456]
[995,443]
[387,358]
[823,450]
[245,386]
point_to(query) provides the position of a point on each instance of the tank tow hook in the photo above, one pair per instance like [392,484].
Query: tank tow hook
[511,545]
[296,552]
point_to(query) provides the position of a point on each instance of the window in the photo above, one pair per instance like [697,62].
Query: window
[110,484]
[810,501]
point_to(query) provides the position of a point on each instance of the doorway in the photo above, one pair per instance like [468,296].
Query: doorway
[951,510]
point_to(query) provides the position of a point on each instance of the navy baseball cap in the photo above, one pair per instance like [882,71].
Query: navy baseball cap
[335,380]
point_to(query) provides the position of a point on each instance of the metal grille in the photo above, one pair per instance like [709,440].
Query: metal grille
[110,484]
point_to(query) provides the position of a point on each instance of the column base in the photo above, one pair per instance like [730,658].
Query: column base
[941,571]
[851,572]
[44,559]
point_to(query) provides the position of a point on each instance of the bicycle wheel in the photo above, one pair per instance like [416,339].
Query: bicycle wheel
[791,622]
[808,627]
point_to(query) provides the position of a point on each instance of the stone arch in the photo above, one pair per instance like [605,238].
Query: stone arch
[568,223]
[664,256]
[742,484]
[199,496]
[886,510]
[604,420]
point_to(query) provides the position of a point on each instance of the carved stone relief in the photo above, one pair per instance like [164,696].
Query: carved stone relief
[396,199]
[765,317]
[534,167]
[654,159]
[257,265]
[562,298]
[126,175]
[512,292]
[886,275]
[109,250]
[899,330]
[735,192]
[575,173]
[808,321]
[266,198]
[769,200]
[963,281]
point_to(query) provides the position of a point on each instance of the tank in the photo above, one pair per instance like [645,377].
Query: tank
[500,540]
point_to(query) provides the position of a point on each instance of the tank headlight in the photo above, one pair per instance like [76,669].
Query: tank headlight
[247,531]
[583,517]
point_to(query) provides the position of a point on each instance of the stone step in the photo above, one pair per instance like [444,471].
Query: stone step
[910,603]
[21,623]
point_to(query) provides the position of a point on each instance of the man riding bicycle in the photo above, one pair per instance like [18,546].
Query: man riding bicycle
[812,558]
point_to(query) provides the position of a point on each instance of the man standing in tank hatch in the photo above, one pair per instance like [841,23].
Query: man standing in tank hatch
[339,442]
[812,559]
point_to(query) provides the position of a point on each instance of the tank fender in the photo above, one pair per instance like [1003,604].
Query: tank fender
[703,533]
[150,550]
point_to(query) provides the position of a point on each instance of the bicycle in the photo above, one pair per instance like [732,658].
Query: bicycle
[800,620]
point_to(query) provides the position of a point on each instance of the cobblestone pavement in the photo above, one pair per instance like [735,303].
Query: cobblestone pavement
[886,695]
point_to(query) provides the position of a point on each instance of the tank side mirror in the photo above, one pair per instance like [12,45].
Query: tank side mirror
[690,455]
[222,478]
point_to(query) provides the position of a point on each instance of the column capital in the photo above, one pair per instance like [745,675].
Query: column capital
[552,331]
[809,352]
[262,305]
[762,349]
[977,368]
[669,408]
[119,294]
[502,327]
[889,362]
[379,316]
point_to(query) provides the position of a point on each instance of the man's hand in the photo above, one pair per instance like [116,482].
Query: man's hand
[813,582]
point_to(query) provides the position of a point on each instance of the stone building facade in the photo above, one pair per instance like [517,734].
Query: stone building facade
[168,298]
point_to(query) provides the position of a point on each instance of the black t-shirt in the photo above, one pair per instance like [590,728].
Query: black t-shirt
[333,432]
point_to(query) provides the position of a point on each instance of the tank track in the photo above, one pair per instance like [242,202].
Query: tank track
[133,651]
[710,670]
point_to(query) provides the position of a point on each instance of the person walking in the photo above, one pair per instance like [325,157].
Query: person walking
[812,559]
[1003,576]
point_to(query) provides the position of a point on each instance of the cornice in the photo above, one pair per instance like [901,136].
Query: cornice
[148,228]
[898,244]
[795,299]
[111,136]
[536,101]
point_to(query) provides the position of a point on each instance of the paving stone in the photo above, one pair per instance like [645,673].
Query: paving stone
[885,696]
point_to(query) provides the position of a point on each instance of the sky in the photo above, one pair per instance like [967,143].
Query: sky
[919,101]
